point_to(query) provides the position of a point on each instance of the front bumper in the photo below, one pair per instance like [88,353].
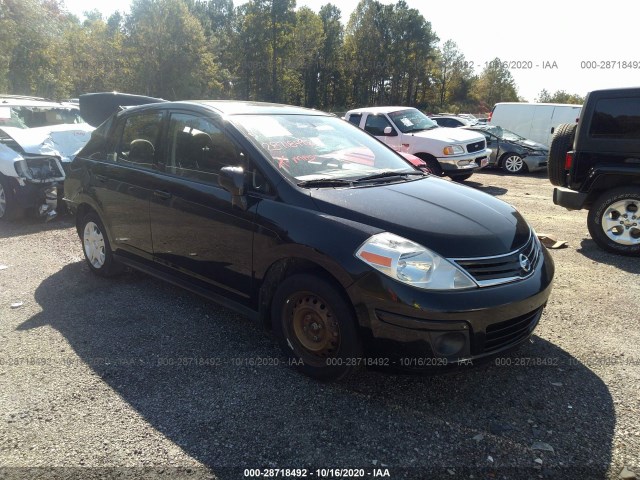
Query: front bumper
[536,162]
[41,196]
[414,328]
[463,164]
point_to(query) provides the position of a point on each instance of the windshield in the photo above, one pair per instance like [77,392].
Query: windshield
[503,133]
[412,120]
[38,116]
[307,147]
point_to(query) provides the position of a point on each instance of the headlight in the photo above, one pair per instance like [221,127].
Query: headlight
[22,169]
[411,263]
[453,150]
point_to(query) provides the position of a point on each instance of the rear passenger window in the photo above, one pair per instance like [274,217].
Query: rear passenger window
[616,118]
[355,118]
[198,148]
[140,139]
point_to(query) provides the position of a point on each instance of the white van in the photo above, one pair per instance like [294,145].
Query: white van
[535,121]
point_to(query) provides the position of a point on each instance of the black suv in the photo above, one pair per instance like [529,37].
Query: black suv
[348,253]
[596,165]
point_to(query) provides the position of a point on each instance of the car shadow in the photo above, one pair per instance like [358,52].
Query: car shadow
[490,189]
[590,249]
[214,384]
[30,225]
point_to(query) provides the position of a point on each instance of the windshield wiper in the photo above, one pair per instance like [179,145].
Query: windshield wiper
[324,182]
[388,174]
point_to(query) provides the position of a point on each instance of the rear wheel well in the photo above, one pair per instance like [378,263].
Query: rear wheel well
[284,268]
[608,182]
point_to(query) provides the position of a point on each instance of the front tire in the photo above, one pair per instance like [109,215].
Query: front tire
[316,327]
[461,178]
[8,204]
[614,221]
[96,247]
[514,163]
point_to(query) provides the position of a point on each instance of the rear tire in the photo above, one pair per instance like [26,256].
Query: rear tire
[96,247]
[609,227]
[316,327]
[561,144]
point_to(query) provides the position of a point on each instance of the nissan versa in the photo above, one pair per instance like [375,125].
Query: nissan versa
[309,224]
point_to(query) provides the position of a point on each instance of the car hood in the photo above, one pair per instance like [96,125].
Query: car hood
[62,141]
[453,220]
[449,135]
[532,144]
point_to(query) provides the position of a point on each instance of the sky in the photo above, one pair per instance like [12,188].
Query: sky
[547,44]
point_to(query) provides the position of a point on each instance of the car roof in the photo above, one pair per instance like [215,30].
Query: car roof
[6,101]
[388,109]
[236,107]
[239,107]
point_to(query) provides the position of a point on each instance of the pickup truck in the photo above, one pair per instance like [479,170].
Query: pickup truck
[453,152]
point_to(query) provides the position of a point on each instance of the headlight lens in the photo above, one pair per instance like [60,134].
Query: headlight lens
[453,150]
[411,263]
[22,169]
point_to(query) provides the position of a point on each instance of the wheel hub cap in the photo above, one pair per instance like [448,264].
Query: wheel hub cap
[620,222]
[314,325]
[93,241]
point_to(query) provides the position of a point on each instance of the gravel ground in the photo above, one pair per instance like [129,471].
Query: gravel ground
[132,378]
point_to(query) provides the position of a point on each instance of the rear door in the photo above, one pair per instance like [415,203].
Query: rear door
[540,124]
[196,231]
[562,114]
[123,183]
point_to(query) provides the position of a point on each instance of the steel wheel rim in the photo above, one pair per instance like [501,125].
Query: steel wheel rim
[620,222]
[513,163]
[93,242]
[313,328]
[3,201]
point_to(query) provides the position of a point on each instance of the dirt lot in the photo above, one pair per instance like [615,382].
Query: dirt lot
[136,378]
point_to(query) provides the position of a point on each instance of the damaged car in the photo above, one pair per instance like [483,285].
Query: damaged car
[37,137]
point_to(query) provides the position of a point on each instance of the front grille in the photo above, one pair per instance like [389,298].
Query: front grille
[476,147]
[511,331]
[513,266]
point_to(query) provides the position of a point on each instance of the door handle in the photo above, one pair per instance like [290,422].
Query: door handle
[102,178]
[162,194]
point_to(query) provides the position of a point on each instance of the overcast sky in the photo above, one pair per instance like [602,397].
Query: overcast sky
[529,35]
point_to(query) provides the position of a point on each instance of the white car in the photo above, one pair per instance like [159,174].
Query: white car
[454,152]
[37,137]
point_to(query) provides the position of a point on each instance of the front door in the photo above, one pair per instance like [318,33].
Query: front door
[195,228]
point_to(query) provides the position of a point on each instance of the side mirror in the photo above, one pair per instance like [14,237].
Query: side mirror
[389,132]
[232,180]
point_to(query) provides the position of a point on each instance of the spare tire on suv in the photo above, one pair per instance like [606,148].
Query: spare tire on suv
[561,143]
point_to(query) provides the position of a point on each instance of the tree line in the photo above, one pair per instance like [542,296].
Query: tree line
[263,50]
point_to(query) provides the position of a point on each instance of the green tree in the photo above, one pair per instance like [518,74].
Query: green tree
[495,84]
[331,76]
[308,39]
[560,96]
[169,51]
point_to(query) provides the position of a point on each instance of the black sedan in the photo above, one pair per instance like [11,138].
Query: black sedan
[511,152]
[347,252]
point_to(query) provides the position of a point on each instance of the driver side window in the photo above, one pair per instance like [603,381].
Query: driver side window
[376,124]
[198,148]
